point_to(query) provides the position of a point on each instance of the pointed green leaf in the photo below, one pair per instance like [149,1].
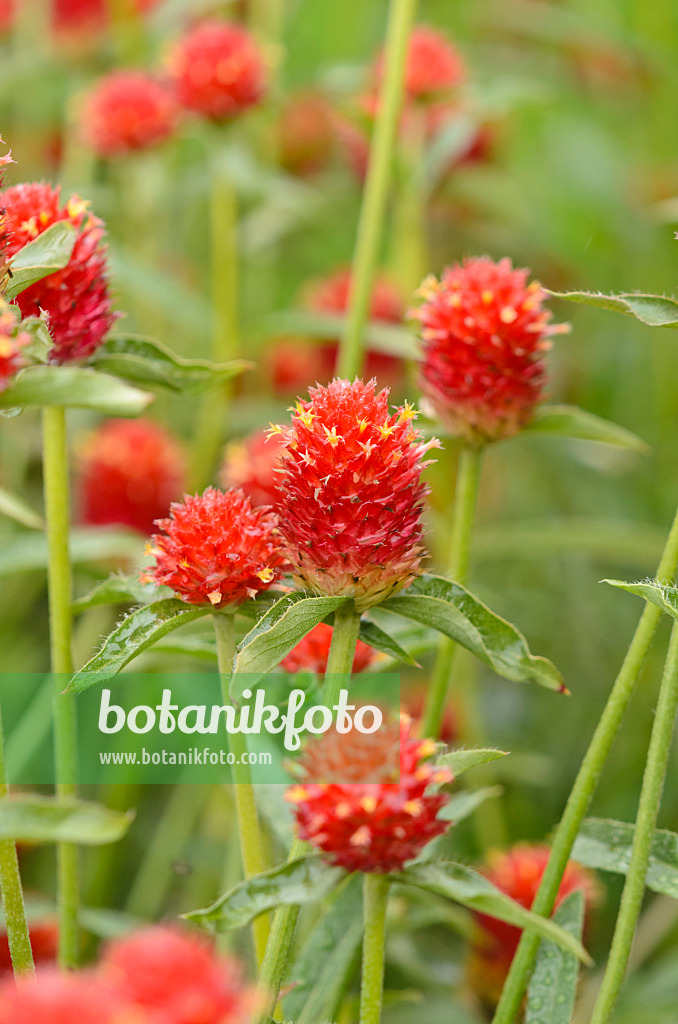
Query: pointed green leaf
[138,631]
[460,761]
[463,885]
[653,310]
[454,611]
[119,589]
[663,595]
[48,253]
[380,640]
[146,361]
[462,805]
[569,421]
[553,985]
[44,819]
[607,845]
[304,880]
[327,960]
[17,509]
[277,632]
[74,387]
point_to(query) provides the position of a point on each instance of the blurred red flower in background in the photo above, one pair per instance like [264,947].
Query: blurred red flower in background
[69,17]
[306,133]
[44,943]
[251,465]
[127,111]
[311,653]
[55,997]
[434,65]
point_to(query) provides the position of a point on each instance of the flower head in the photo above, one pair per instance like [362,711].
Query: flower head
[484,332]
[53,997]
[518,873]
[311,653]
[252,464]
[352,493]
[218,70]
[12,341]
[216,549]
[374,826]
[176,978]
[127,111]
[75,299]
[130,471]
[433,67]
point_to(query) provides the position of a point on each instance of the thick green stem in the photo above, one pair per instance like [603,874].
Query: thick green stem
[56,487]
[251,841]
[11,891]
[584,787]
[375,901]
[463,517]
[342,652]
[372,214]
[648,809]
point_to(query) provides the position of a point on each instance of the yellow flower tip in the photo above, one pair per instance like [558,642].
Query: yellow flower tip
[151,549]
[343,809]
[407,412]
[296,794]
[361,837]
[386,430]
[274,429]
[508,314]
[362,425]
[214,596]
[76,206]
[266,575]
[427,748]
[413,807]
[368,804]
[442,775]
[332,437]
[487,297]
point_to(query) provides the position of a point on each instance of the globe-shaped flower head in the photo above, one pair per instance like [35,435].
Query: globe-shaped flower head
[127,111]
[352,493]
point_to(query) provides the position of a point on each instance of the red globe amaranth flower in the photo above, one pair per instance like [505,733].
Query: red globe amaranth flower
[311,653]
[53,997]
[44,943]
[130,472]
[216,549]
[253,465]
[352,493]
[484,332]
[306,133]
[294,363]
[378,825]
[176,978]
[518,873]
[12,341]
[127,111]
[75,299]
[218,70]
[433,67]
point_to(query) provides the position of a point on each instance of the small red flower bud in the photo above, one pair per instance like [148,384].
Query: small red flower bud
[253,465]
[52,997]
[311,653]
[127,111]
[216,549]
[12,341]
[130,471]
[75,299]
[352,493]
[218,70]
[374,826]
[484,332]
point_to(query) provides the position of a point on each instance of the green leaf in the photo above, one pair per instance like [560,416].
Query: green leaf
[44,819]
[663,595]
[454,611]
[201,647]
[277,632]
[145,361]
[299,881]
[463,885]
[17,509]
[569,421]
[48,253]
[87,544]
[138,631]
[327,960]
[120,589]
[380,640]
[553,985]
[74,387]
[461,760]
[653,310]
[607,844]
[39,346]
[462,805]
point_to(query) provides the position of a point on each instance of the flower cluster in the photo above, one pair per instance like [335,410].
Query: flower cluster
[311,653]
[215,548]
[252,465]
[352,493]
[75,299]
[377,825]
[12,342]
[130,472]
[127,111]
[484,331]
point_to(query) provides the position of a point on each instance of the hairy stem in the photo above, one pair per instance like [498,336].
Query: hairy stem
[375,901]
[342,652]
[11,891]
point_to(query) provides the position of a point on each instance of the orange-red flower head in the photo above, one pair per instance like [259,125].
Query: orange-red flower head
[130,472]
[176,978]
[75,299]
[352,493]
[311,653]
[127,111]
[216,549]
[252,465]
[12,342]
[375,826]
[484,331]
[218,70]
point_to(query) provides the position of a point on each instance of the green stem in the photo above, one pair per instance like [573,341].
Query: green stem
[373,210]
[342,652]
[56,487]
[584,787]
[224,278]
[11,891]
[648,809]
[251,841]
[463,517]
[375,901]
